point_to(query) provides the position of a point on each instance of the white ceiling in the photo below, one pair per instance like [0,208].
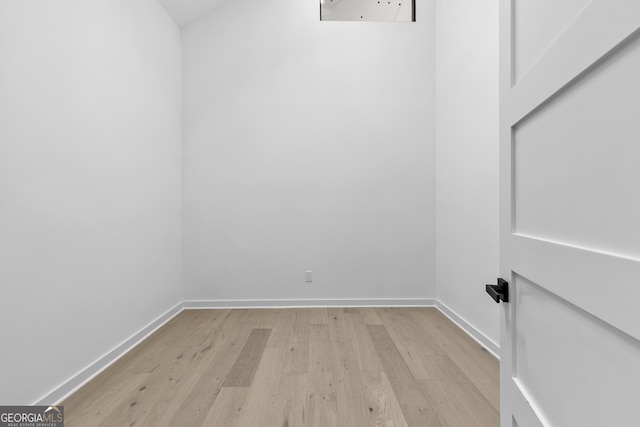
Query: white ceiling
[186,11]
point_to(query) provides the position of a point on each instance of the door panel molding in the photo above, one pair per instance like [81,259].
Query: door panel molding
[558,266]
[562,63]
[528,414]
[587,276]
[535,29]
[568,362]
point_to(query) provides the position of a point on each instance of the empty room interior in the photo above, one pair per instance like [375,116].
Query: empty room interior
[264,213]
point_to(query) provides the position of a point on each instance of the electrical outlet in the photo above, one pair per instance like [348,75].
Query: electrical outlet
[308,276]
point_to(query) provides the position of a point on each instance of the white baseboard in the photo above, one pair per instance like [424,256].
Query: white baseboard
[303,303]
[60,393]
[474,333]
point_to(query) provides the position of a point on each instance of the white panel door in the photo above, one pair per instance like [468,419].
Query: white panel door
[570,212]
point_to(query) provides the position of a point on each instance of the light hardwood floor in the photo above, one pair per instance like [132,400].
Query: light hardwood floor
[347,367]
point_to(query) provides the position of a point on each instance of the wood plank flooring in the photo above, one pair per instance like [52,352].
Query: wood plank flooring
[347,367]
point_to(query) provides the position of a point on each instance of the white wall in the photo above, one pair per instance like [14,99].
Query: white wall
[467,159]
[308,146]
[90,129]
